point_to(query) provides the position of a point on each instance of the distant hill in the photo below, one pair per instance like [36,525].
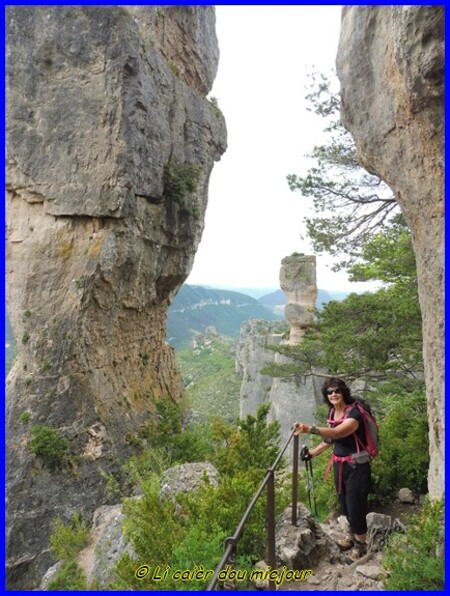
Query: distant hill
[253,292]
[278,298]
[196,307]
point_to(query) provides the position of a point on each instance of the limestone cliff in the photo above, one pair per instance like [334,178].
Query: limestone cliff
[391,67]
[294,399]
[110,145]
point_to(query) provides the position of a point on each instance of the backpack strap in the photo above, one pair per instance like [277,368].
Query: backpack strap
[347,409]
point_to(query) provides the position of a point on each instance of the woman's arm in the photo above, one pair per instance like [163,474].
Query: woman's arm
[346,428]
[320,448]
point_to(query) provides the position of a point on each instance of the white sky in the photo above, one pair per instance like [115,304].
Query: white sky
[253,220]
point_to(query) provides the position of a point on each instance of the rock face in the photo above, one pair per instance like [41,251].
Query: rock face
[252,355]
[391,67]
[110,142]
[294,399]
[289,400]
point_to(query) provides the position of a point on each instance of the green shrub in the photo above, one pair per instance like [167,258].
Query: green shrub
[171,444]
[192,445]
[415,560]
[25,417]
[252,444]
[141,467]
[66,541]
[154,529]
[47,444]
[404,456]
[192,531]
[69,577]
[181,181]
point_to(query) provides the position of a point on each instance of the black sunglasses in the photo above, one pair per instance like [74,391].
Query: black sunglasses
[331,391]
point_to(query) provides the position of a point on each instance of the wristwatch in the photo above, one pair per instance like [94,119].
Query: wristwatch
[314,430]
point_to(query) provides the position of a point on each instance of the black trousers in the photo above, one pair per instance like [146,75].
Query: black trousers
[355,487]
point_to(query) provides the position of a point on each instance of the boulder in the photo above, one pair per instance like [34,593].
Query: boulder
[301,546]
[406,495]
[185,478]
[379,526]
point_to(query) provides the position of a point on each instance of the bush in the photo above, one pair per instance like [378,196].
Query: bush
[404,457]
[66,541]
[181,181]
[49,446]
[69,577]
[25,417]
[251,445]
[415,560]
[192,532]
[154,529]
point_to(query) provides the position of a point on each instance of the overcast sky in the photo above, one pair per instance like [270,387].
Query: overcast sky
[253,220]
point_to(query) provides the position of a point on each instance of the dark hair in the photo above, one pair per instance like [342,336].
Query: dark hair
[340,384]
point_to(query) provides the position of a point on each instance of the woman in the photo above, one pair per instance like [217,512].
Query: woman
[352,480]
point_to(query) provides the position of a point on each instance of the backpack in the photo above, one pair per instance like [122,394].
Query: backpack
[372,445]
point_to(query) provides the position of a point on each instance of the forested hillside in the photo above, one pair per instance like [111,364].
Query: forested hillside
[278,298]
[210,379]
[195,308]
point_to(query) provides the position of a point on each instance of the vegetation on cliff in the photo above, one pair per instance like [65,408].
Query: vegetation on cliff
[191,531]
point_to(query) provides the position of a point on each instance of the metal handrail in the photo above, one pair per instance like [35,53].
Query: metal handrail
[269,481]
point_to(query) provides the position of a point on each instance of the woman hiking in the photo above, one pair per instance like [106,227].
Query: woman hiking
[346,433]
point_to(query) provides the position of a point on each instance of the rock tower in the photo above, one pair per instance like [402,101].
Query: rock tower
[391,67]
[110,145]
[298,281]
[290,400]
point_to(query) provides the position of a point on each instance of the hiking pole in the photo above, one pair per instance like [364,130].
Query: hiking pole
[306,457]
[313,489]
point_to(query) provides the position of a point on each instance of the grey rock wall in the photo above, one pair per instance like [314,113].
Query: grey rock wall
[391,67]
[252,355]
[103,103]
[293,399]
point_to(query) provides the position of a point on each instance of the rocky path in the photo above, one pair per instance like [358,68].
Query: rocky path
[366,574]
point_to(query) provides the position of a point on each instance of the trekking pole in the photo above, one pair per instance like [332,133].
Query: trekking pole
[313,489]
[306,457]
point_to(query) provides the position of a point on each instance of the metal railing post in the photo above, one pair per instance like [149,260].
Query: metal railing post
[271,523]
[295,480]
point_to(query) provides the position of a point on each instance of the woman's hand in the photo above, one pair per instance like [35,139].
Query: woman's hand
[301,428]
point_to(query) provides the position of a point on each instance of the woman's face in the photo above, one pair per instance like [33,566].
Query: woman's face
[335,397]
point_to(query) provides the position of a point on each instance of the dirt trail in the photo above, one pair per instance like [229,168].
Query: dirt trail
[363,575]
